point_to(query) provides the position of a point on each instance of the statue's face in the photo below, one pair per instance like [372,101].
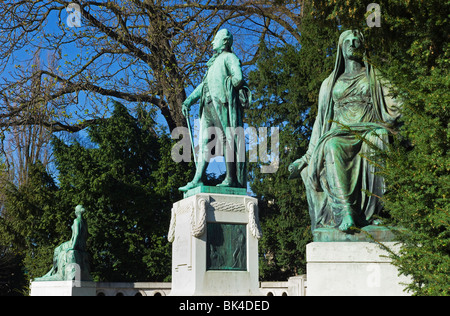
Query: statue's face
[352,47]
[79,210]
[219,43]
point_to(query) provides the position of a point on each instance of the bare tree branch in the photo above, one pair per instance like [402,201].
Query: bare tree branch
[146,51]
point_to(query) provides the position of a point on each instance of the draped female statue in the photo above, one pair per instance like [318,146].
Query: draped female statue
[70,259]
[355,114]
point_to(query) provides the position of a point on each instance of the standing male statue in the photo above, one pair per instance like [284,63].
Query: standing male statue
[355,113]
[223,95]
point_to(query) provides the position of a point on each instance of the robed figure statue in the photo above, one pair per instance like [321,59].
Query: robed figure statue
[71,259]
[223,95]
[355,113]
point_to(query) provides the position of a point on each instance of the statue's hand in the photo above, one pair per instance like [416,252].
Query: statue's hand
[296,167]
[185,108]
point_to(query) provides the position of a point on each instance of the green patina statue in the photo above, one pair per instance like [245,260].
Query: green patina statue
[355,113]
[70,259]
[223,94]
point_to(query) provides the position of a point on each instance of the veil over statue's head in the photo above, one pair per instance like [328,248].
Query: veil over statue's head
[79,210]
[347,33]
[339,66]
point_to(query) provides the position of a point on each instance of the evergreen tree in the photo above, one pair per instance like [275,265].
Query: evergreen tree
[286,86]
[126,181]
[12,280]
[418,176]
[128,184]
[33,222]
[410,48]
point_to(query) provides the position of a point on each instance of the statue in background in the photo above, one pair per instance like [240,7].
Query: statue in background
[223,96]
[70,259]
[355,113]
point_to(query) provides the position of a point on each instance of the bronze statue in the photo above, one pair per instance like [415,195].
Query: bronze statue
[355,113]
[70,259]
[222,95]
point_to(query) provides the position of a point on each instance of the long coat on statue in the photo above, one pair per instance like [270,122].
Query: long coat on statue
[224,89]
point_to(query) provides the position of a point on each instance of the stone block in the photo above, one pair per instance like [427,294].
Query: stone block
[353,269]
[63,288]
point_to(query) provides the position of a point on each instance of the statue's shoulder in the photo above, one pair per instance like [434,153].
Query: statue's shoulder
[327,81]
[230,56]
[381,77]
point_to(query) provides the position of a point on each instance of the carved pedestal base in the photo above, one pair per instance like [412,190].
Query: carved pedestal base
[215,245]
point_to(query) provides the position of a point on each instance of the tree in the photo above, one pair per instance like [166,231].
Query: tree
[127,183]
[140,51]
[411,50]
[286,86]
[33,222]
[27,142]
[11,274]
[143,52]
[128,186]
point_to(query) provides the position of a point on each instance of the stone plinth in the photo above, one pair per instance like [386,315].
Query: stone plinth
[215,190]
[215,245]
[353,269]
[63,288]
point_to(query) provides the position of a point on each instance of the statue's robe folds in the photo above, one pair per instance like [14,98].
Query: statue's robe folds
[354,114]
[71,259]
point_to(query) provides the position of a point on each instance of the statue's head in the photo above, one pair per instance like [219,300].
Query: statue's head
[222,41]
[79,210]
[352,44]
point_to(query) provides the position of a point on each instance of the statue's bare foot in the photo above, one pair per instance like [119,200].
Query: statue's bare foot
[377,222]
[190,185]
[228,182]
[347,223]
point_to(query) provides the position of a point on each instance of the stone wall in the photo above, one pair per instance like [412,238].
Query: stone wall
[295,286]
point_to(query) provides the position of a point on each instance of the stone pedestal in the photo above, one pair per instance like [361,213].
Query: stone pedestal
[215,244]
[63,288]
[352,268]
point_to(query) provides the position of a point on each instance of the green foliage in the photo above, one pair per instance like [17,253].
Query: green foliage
[419,178]
[33,222]
[127,182]
[411,50]
[12,279]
